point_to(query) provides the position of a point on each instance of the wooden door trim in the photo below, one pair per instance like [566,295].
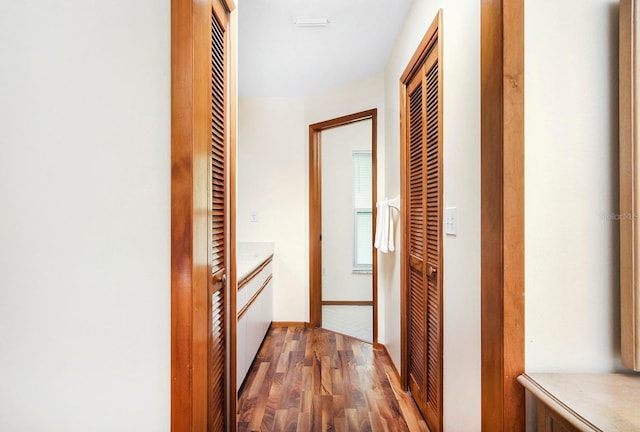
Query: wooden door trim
[420,54]
[190,101]
[232,334]
[315,212]
[502,214]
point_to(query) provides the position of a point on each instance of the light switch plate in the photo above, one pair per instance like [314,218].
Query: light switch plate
[451,221]
[254,216]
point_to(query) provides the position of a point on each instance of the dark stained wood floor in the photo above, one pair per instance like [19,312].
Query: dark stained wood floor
[315,380]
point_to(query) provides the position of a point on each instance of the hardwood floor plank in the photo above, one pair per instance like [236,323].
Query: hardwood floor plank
[327,413]
[352,419]
[364,424]
[275,392]
[339,342]
[307,401]
[341,424]
[325,374]
[316,413]
[280,420]
[258,382]
[338,407]
[306,379]
[258,414]
[304,422]
[291,423]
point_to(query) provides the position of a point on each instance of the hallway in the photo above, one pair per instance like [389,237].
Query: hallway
[313,380]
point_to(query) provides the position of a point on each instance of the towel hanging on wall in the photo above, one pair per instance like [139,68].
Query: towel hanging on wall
[384,240]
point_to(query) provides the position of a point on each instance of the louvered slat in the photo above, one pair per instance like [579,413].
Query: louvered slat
[217,342]
[416,216]
[217,363]
[217,141]
[417,328]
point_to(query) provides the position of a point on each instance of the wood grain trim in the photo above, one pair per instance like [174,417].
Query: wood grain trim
[254,297]
[502,214]
[181,214]
[629,202]
[374,185]
[404,217]
[315,227]
[245,280]
[346,303]
[550,421]
[190,203]
[231,199]
[289,324]
[315,212]
[441,172]
[344,120]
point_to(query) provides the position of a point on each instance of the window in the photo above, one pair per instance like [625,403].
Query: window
[363,216]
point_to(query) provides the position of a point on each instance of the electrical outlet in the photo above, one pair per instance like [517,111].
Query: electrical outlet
[450,221]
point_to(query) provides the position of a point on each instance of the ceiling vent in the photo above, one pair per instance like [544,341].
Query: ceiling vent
[311,22]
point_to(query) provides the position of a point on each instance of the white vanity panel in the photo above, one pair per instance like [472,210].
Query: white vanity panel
[254,310]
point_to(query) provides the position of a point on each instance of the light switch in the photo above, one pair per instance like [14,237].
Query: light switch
[450,221]
[254,216]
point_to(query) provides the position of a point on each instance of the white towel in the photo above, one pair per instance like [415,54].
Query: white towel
[391,246]
[384,228]
[381,227]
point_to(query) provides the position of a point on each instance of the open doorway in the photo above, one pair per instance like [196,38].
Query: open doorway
[347,257]
[343,265]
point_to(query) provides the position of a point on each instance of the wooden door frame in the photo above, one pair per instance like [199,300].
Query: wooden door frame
[502,214]
[433,36]
[190,202]
[315,212]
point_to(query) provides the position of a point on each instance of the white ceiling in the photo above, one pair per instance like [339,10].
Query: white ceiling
[276,58]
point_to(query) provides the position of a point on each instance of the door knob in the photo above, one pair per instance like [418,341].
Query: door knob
[431,271]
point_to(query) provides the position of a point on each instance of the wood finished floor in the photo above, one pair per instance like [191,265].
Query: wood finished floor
[316,380]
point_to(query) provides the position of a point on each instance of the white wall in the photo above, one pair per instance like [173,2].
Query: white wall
[273,178]
[353,97]
[272,182]
[85,219]
[571,184]
[338,226]
[461,135]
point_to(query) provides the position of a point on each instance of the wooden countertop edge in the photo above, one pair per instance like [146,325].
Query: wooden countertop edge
[242,282]
[246,307]
[575,419]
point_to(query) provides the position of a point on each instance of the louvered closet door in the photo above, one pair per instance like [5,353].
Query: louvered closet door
[424,180]
[217,287]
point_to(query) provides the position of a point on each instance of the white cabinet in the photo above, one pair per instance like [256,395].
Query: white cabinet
[254,313]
